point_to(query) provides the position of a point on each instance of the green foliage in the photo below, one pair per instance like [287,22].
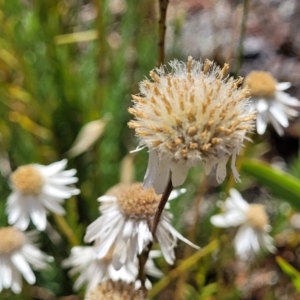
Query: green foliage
[290,271]
[283,185]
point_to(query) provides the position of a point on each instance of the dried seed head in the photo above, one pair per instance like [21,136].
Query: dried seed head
[257,216]
[11,240]
[261,84]
[134,201]
[27,180]
[110,290]
[202,114]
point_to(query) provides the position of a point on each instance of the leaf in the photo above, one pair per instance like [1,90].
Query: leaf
[88,136]
[188,263]
[76,37]
[290,271]
[283,185]
[29,125]
[208,290]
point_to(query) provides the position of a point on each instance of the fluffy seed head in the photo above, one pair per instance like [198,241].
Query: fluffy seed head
[194,112]
[27,180]
[257,216]
[261,84]
[134,201]
[110,290]
[11,240]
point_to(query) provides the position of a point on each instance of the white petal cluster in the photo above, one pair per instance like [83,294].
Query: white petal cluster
[253,233]
[18,255]
[193,113]
[38,189]
[92,271]
[273,105]
[127,212]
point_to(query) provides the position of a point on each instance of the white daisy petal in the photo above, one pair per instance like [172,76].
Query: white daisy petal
[221,169]
[279,115]
[162,176]
[281,86]
[151,169]
[262,105]
[237,200]
[278,128]
[176,193]
[22,265]
[54,168]
[179,173]
[229,219]
[261,123]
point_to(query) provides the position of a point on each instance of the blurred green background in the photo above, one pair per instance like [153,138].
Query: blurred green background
[66,63]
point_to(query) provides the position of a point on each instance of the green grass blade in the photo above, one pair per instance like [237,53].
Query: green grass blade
[283,185]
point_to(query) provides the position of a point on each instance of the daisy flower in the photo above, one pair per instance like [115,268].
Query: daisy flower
[111,290]
[253,234]
[127,213]
[17,254]
[83,260]
[37,189]
[193,113]
[271,102]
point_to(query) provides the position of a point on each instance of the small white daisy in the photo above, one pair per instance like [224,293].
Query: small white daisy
[271,102]
[190,114]
[83,260]
[17,253]
[127,213]
[253,233]
[37,189]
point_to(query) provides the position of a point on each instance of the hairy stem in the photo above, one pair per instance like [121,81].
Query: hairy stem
[161,206]
[144,256]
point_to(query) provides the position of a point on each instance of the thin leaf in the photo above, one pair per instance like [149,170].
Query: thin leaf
[290,271]
[283,185]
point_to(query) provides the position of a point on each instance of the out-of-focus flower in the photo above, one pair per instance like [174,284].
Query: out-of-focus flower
[93,271]
[88,136]
[17,254]
[127,212]
[193,113]
[112,290]
[36,189]
[253,233]
[271,102]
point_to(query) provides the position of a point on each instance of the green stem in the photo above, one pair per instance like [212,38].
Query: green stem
[183,267]
[66,230]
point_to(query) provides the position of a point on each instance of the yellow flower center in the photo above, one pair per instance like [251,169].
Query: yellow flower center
[110,290]
[27,180]
[257,216]
[261,84]
[11,240]
[135,201]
